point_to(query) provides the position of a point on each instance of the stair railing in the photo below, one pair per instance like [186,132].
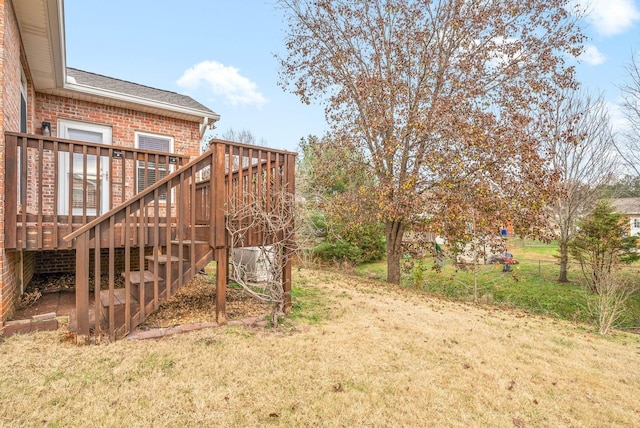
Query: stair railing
[186,207]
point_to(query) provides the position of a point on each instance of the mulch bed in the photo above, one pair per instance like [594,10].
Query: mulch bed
[193,303]
[52,283]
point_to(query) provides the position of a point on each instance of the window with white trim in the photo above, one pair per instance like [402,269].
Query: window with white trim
[145,177]
[635,223]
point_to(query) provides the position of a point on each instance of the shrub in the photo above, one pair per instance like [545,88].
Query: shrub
[601,249]
[608,306]
[369,238]
[339,251]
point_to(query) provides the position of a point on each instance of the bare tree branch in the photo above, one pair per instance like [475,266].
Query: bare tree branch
[629,146]
[272,224]
[583,153]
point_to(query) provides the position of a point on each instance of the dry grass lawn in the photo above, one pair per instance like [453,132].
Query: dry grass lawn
[366,355]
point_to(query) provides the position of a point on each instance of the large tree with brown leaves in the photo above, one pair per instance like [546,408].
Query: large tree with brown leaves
[439,96]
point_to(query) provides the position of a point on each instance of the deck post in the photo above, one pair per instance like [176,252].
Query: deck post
[11,191]
[82,288]
[212,196]
[286,283]
[222,265]
[217,215]
[218,230]
[290,184]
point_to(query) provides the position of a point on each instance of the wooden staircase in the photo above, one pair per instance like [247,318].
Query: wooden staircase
[143,287]
[190,205]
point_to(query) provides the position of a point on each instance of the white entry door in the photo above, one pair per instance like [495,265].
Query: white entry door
[90,133]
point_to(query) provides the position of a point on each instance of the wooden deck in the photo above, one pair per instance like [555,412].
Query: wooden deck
[177,224]
[47,178]
[48,236]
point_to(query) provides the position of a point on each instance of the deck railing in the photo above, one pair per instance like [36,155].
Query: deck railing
[201,191]
[54,186]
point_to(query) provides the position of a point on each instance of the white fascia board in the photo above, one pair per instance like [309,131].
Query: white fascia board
[76,87]
[55,12]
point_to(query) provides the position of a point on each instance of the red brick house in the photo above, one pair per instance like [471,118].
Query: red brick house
[90,166]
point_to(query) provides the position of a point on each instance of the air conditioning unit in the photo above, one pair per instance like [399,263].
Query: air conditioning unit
[254,263]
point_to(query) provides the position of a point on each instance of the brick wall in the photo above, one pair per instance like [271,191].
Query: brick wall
[10,77]
[64,261]
[124,122]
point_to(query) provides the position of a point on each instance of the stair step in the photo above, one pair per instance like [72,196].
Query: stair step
[136,278]
[118,297]
[188,242]
[161,259]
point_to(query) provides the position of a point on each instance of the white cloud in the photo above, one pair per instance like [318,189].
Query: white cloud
[619,121]
[224,81]
[592,55]
[611,17]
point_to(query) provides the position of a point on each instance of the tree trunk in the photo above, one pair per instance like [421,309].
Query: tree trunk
[393,232]
[564,261]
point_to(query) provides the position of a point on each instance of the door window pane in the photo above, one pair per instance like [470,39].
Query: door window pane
[85,183]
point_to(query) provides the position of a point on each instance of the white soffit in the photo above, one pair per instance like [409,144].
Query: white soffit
[41,25]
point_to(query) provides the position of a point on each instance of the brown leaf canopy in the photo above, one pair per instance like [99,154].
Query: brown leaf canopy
[440,95]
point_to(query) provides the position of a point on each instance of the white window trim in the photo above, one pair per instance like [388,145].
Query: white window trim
[137,135]
[64,124]
[63,164]
[24,93]
[150,134]
[23,83]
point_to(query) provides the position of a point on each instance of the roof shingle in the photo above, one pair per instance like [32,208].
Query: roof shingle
[626,205]
[136,90]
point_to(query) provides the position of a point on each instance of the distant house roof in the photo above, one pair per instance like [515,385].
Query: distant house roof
[626,205]
[133,89]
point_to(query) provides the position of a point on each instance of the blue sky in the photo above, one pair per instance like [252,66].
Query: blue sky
[229,45]
[221,52]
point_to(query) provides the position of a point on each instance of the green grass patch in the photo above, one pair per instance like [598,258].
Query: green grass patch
[531,285]
[308,304]
[526,249]
[564,342]
[375,270]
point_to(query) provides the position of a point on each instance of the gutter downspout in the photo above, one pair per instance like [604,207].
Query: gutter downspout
[207,123]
